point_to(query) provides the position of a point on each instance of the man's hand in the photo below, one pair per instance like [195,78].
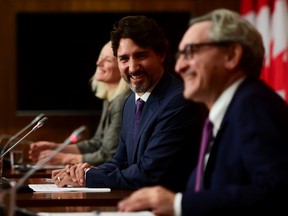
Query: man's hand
[61,158]
[73,175]
[156,199]
[37,147]
[77,172]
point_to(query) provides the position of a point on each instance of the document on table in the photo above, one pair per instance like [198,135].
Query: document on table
[54,188]
[141,213]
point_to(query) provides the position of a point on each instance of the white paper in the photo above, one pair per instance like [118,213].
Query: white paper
[66,214]
[54,188]
[141,213]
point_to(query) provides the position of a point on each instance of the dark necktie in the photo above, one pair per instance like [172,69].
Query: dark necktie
[207,136]
[139,106]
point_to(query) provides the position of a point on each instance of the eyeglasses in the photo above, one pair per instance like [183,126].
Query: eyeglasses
[190,49]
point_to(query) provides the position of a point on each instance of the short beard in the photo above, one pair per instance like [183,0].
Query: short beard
[140,88]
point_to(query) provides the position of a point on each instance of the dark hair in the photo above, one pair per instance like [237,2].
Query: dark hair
[142,30]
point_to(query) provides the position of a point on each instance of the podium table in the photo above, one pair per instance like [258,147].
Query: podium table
[72,209]
[74,199]
[36,199]
[16,173]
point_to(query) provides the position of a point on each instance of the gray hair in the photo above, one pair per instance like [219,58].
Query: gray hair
[229,26]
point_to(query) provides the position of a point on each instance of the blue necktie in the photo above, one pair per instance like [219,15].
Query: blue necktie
[207,136]
[139,106]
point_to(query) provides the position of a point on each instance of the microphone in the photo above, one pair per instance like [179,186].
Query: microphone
[74,137]
[39,165]
[38,125]
[16,188]
[36,119]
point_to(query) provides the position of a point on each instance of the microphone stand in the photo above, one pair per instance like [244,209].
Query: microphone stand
[12,208]
[8,188]
[38,125]
[41,163]
[11,138]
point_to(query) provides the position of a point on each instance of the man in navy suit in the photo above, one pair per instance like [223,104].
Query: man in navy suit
[165,148]
[220,60]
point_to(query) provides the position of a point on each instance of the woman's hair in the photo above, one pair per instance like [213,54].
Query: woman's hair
[229,26]
[100,88]
[101,91]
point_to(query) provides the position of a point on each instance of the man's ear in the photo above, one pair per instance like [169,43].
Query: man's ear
[234,55]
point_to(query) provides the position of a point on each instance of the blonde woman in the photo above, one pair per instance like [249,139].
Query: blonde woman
[109,86]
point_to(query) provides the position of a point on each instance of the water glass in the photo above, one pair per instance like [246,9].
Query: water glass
[16,157]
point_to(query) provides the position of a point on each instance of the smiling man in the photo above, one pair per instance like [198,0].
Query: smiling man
[246,164]
[164,148]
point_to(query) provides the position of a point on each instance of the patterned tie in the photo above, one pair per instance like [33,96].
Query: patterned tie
[207,136]
[139,107]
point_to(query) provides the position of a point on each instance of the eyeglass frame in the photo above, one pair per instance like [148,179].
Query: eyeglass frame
[191,48]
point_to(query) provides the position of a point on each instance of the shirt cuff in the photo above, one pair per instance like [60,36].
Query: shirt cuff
[86,173]
[177,204]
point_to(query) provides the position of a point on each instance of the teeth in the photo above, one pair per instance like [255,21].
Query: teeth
[135,76]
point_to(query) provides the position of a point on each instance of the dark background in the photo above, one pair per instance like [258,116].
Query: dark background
[56,55]
[13,116]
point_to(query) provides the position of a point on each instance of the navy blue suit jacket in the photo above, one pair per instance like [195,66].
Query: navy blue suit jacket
[247,172]
[166,147]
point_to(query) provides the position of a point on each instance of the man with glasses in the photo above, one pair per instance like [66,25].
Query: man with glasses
[245,169]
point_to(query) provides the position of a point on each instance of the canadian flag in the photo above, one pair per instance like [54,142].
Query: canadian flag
[270,17]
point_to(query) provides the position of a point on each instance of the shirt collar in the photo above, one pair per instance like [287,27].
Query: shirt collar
[220,106]
[143,97]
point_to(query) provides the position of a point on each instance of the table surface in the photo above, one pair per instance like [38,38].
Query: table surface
[63,201]
[30,199]
[16,173]
[71,209]
[36,199]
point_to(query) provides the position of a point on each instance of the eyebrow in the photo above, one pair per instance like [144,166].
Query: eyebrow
[135,54]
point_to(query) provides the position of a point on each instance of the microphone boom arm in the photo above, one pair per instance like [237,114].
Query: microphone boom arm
[37,118]
[39,124]
[42,162]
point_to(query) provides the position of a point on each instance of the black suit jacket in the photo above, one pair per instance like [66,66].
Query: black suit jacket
[166,147]
[247,172]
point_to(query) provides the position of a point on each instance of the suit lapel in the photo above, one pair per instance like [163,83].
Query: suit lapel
[147,116]
[149,112]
